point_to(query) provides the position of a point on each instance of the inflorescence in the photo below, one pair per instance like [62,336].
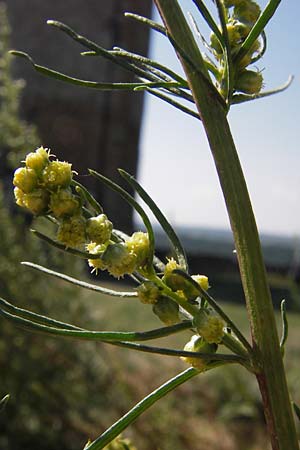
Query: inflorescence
[45,187]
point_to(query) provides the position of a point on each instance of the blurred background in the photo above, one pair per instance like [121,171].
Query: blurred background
[64,392]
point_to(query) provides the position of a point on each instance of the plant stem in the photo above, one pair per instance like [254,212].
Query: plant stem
[271,379]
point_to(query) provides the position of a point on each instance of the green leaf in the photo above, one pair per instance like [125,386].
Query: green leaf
[31,316]
[144,20]
[93,84]
[177,105]
[70,331]
[140,408]
[132,202]
[89,197]
[209,20]
[80,283]
[178,248]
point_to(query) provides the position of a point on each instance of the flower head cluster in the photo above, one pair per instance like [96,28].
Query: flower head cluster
[240,17]
[44,187]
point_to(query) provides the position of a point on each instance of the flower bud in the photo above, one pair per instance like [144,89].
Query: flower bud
[173,280]
[119,260]
[37,160]
[94,249]
[167,311]
[25,179]
[36,201]
[191,292]
[99,229]
[249,82]
[196,344]
[148,292]
[209,326]
[57,174]
[247,11]
[138,244]
[63,203]
[71,231]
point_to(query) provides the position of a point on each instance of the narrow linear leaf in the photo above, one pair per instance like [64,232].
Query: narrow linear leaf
[144,20]
[89,197]
[209,20]
[34,317]
[132,202]
[241,98]
[83,284]
[178,248]
[172,102]
[93,84]
[140,408]
[63,248]
[88,335]
[233,359]
[150,62]
[97,50]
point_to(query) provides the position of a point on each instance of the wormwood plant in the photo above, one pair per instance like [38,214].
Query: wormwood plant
[215,79]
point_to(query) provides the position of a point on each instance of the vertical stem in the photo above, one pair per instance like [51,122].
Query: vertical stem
[271,378]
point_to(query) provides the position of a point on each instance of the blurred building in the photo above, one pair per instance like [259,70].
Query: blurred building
[90,128]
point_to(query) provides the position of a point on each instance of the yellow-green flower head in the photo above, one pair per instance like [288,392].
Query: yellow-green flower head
[71,231]
[99,229]
[196,344]
[25,179]
[94,249]
[138,244]
[148,292]
[191,292]
[247,59]
[119,260]
[37,160]
[247,11]
[249,82]
[57,174]
[172,280]
[209,326]
[234,34]
[64,203]
[167,311]
[36,201]
[202,280]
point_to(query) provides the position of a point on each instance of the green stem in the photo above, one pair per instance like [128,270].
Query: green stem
[272,380]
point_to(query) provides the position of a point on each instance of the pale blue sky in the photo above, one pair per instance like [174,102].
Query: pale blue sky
[176,166]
